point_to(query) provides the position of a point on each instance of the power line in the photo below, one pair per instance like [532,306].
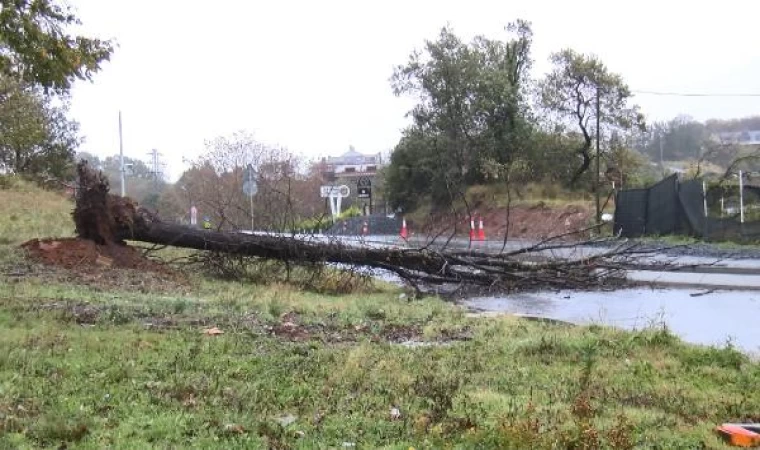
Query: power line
[696,94]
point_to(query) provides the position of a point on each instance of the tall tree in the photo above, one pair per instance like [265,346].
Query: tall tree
[572,90]
[36,138]
[470,109]
[36,46]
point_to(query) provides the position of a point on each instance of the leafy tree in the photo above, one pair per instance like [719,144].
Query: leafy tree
[411,171]
[571,91]
[470,113]
[36,47]
[36,138]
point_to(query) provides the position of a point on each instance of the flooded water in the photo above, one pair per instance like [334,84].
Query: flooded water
[710,319]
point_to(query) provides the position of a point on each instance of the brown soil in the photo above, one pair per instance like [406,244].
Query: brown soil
[78,253]
[539,221]
[533,222]
[101,266]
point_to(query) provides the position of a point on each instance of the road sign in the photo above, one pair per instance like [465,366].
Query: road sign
[250,187]
[364,192]
[334,191]
[364,182]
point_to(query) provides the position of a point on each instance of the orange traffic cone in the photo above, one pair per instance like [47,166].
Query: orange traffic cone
[404,231]
[481,231]
[472,228]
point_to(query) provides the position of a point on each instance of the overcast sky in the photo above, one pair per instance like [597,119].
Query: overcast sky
[313,75]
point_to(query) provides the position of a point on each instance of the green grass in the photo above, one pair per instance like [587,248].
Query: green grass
[681,240]
[30,212]
[116,369]
[91,367]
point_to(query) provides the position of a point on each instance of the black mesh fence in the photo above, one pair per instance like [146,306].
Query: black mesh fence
[673,207]
[655,210]
[663,210]
[631,212]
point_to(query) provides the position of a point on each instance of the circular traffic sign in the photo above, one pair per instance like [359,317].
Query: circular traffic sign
[250,188]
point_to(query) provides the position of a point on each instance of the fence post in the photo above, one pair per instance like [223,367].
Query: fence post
[741,197]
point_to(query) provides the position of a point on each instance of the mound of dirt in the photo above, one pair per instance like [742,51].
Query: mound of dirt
[77,253]
[84,262]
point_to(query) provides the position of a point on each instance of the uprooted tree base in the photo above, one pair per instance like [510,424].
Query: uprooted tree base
[110,220]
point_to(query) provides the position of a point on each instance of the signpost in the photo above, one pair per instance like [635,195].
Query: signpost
[335,194]
[193,215]
[250,187]
[364,190]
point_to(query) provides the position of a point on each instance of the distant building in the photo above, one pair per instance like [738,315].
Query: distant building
[357,170]
[351,164]
[750,137]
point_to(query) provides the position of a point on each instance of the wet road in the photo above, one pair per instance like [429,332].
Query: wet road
[710,319]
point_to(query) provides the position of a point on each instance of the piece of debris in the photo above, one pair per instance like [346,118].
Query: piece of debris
[395,413]
[234,428]
[48,246]
[417,344]
[284,421]
[699,294]
[213,331]
[104,261]
[740,434]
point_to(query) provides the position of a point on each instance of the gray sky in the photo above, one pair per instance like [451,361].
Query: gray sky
[313,75]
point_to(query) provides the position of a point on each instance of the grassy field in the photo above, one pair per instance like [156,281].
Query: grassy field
[105,366]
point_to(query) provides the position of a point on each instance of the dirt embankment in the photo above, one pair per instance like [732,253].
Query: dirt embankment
[533,222]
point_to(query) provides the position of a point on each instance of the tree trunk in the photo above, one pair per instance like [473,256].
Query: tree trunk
[108,219]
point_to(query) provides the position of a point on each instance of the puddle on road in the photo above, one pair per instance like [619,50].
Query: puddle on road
[710,319]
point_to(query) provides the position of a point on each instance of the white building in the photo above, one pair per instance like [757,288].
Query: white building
[750,137]
[352,164]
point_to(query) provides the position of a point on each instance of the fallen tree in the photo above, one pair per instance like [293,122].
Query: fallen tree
[111,220]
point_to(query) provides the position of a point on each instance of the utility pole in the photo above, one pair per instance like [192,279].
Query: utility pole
[662,163]
[121,161]
[598,187]
[155,168]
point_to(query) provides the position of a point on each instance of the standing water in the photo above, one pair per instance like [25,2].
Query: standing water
[697,316]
